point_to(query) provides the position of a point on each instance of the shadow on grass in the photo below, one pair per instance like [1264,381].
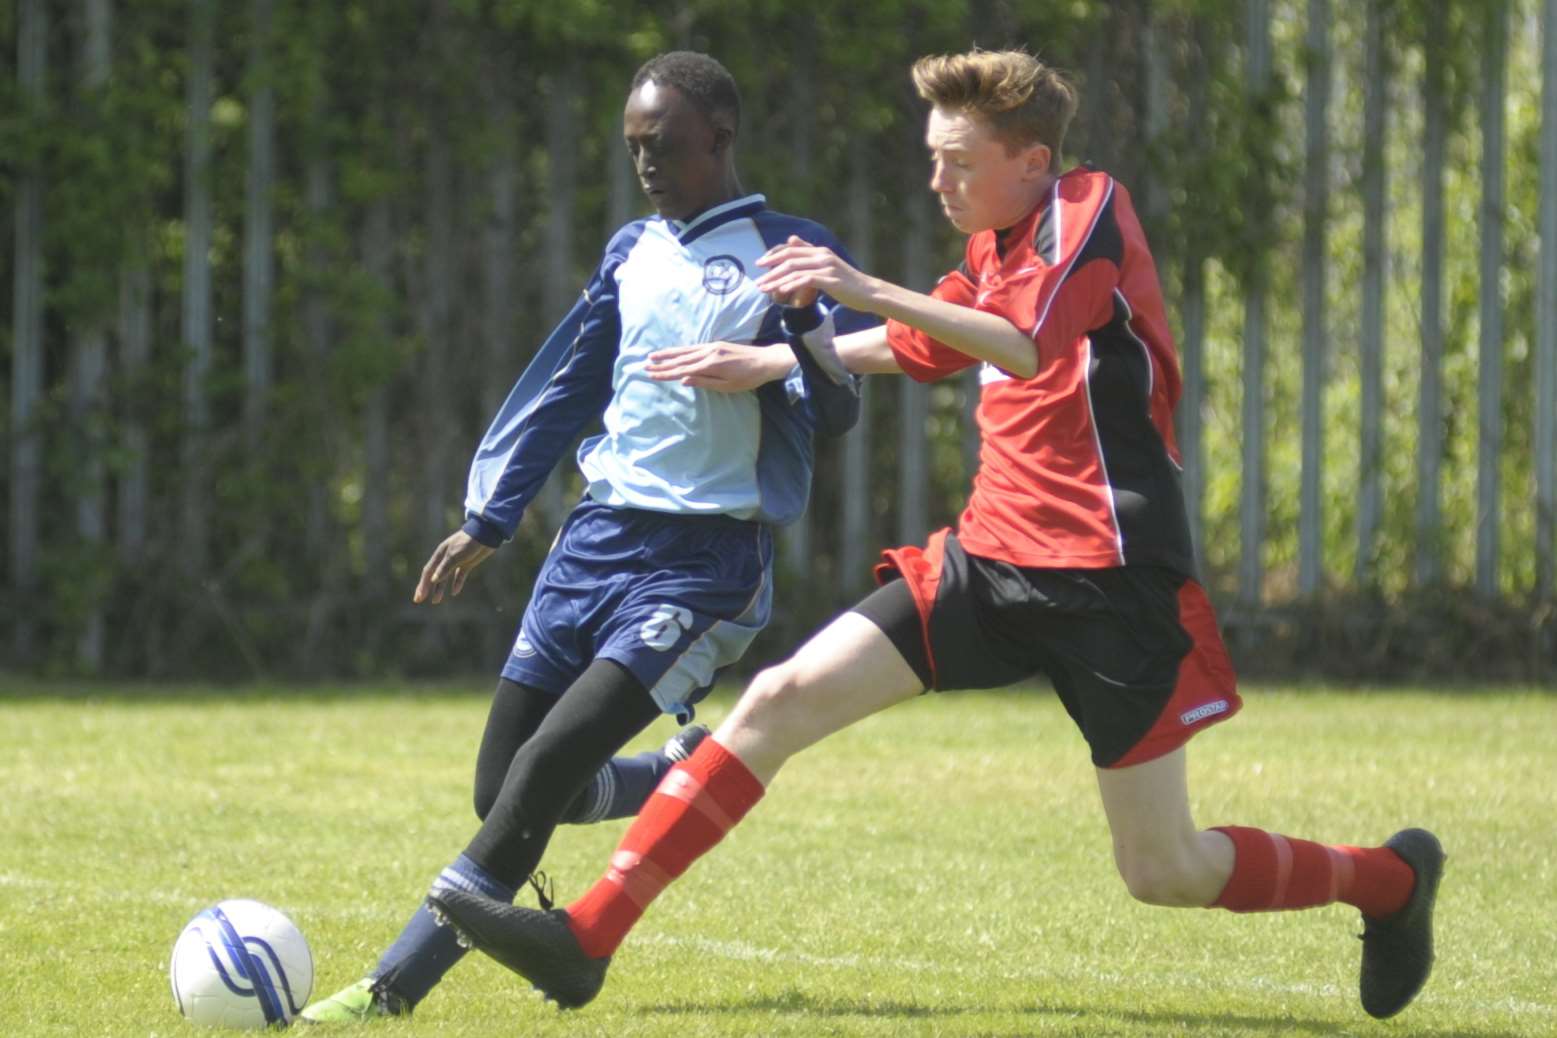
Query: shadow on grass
[20,688]
[804,1004]
[15,689]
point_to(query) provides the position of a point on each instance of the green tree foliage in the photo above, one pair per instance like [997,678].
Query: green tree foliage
[394,116]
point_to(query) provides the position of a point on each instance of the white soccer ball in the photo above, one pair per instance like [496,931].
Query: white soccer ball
[241,964]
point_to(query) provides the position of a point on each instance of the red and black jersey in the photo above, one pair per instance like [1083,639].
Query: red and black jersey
[1078,467]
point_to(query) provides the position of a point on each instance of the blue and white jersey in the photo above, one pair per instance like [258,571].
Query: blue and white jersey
[667,447]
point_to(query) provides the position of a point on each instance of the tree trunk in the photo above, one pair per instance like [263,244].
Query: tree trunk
[795,539]
[1156,94]
[856,490]
[502,357]
[1091,136]
[1316,211]
[134,364]
[97,45]
[1251,574]
[622,198]
[1191,411]
[378,248]
[319,534]
[27,358]
[318,332]
[559,284]
[971,392]
[913,399]
[1489,444]
[89,367]
[196,322]
[1429,438]
[441,483]
[258,221]
[1370,498]
[1546,323]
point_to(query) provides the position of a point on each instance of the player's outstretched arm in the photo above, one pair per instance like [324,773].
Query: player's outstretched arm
[797,266]
[451,563]
[867,353]
[729,367]
[733,367]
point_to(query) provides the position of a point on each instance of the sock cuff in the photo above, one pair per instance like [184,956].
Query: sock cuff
[465,874]
[725,778]
[597,796]
[1252,884]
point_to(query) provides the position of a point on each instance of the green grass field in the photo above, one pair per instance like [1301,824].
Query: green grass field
[941,869]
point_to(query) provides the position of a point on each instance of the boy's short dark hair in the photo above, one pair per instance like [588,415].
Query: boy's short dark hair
[705,82]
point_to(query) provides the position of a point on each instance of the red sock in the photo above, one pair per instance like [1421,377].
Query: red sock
[696,803]
[1273,872]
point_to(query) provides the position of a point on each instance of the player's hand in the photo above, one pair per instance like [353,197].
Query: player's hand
[451,563]
[798,270]
[724,366]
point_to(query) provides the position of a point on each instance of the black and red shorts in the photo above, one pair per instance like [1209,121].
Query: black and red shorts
[1133,652]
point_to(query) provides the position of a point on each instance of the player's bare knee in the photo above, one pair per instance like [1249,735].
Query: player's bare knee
[1157,878]
[771,708]
[771,693]
[1148,884]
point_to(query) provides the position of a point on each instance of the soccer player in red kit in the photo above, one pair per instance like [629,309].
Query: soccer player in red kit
[1072,559]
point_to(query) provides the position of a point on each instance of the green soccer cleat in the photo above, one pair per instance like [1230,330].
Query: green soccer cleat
[1397,950]
[362,1001]
[538,946]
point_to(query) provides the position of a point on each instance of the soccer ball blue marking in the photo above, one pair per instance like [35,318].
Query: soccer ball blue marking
[248,966]
[241,964]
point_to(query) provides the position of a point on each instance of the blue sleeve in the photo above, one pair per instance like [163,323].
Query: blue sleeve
[834,397]
[565,387]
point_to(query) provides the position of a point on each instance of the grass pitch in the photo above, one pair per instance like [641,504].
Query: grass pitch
[941,869]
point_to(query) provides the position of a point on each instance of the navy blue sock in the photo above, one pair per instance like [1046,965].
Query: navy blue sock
[425,951]
[619,789]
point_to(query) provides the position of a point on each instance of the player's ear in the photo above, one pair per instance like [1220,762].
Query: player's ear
[1039,159]
[724,139]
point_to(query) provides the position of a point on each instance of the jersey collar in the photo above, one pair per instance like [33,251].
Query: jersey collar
[1024,229]
[1039,227]
[723,213]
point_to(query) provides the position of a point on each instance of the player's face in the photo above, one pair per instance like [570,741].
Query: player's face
[681,157]
[981,186]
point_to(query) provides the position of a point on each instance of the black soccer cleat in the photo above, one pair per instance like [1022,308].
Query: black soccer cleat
[538,946]
[1397,950]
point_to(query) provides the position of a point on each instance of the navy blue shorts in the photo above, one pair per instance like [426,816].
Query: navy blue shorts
[673,598]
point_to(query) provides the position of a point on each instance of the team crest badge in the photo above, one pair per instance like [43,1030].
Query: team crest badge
[721,274]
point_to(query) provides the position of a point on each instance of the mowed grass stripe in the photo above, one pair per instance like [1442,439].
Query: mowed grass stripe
[942,869]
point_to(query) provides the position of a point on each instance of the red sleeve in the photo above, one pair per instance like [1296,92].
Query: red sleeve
[925,359]
[1062,296]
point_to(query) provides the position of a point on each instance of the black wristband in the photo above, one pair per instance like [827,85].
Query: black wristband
[801,319]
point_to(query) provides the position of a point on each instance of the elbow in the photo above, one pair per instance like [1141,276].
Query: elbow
[1023,360]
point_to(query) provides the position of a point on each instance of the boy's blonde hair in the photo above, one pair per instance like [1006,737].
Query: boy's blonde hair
[1024,101]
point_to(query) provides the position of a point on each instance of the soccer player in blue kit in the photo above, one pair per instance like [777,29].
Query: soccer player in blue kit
[663,572]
